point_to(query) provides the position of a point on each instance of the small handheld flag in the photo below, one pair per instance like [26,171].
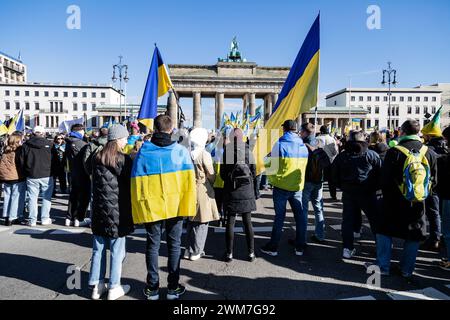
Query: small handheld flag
[434,127]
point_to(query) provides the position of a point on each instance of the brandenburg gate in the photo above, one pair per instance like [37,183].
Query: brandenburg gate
[232,77]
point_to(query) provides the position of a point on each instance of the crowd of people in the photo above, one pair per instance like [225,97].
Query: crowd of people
[172,178]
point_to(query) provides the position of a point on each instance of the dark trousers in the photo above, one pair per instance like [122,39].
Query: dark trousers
[432,213]
[174,231]
[62,182]
[218,193]
[248,228]
[353,204]
[80,195]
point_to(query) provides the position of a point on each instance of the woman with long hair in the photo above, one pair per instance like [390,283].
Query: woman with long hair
[13,180]
[111,214]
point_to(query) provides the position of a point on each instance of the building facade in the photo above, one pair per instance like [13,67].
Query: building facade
[49,105]
[410,103]
[12,70]
[445,101]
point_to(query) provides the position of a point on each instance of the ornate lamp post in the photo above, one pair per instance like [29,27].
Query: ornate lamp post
[122,69]
[392,80]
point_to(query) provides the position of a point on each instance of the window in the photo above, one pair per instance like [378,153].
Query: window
[55,94]
[75,94]
[377,99]
[425,99]
[84,94]
[17,93]
[94,122]
[361,99]
[394,99]
[369,123]
[94,95]
[409,109]
[27,106]
[103,95]
[409,99]
[417,99]
[385,99]
[377,109]
[425,109]
[27,93]
[94,106]
[433,99]
[17,105]
[7,93]
[7,105]
[402,99]
[335,102]
[417,110]
[377,122]
[61,107]
[51,107]
[36,93]
[36,106]
[369,99]
[397,111]
[75,107]
[46,93]
[84,106]
[66,94]
[353,98]
[369,109]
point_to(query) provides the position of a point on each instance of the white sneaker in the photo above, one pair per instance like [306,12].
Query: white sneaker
[357,235]
[68,223]
[76,223]
[186,255]
[348,254]
[99,290]
[196,257]
[81,224]
[118,292]
[46,222]
[31,224]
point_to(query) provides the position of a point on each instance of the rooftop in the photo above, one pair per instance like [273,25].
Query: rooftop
[339,110]
[382,90]
[10,57]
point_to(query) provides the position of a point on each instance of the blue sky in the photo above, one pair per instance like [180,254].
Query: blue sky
[414,36]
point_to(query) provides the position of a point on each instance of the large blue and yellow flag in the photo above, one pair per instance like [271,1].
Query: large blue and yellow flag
[3,129]
[17,123]
[298,95]
[162,184]
[158,84]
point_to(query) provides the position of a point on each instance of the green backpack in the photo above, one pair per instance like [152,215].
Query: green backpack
[416,185]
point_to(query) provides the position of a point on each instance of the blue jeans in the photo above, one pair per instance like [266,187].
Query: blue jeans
[445,214]
[13,200]
[98,262]
[35,187]
[280,199]
[174,231]
[314,192]
[384,252]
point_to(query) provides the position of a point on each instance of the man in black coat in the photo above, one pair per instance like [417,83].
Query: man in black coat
[80,184]
[401,218]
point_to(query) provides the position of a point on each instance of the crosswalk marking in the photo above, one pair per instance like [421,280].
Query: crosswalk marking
[423,294]
[361,298]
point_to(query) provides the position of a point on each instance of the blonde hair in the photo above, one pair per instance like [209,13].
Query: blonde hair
[377,137]
[13,143]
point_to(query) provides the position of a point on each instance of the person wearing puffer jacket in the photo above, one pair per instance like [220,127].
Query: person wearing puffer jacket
[111,214]
[197,228]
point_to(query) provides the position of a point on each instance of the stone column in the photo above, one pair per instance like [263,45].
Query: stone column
[268,105]
[252,103]
[172,109]
[219,108]
[197,109]
[336,122]
[245,100]
[275,98]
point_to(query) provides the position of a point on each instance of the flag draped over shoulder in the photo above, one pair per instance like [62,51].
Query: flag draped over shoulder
[163,184]
[158,84]
[433,128]
[298,95]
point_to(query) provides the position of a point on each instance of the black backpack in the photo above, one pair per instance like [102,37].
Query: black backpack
[318,162]
[240,175]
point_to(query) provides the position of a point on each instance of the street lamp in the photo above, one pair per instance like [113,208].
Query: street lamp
[392,80]
[122,69]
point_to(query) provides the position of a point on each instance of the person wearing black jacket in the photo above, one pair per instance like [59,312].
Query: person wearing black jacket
[80,183]
[401,218]
[238,172]
[443,190]
[58,163]
[36,161]
[112,220]
[356,172]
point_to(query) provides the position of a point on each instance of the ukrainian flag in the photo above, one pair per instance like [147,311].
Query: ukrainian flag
[3,129]
[158,84]
[298,95]
[17,123]
[162,184]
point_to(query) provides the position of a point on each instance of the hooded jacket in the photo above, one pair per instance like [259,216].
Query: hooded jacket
[74,154]
[357,169]
[36,158]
